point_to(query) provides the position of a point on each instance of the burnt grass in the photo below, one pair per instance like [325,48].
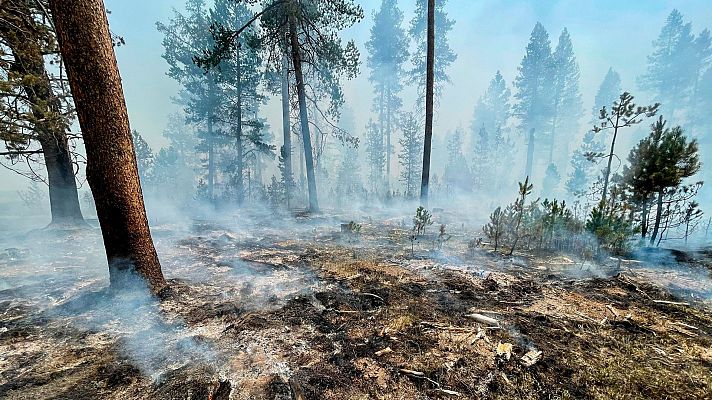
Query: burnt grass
[378,326]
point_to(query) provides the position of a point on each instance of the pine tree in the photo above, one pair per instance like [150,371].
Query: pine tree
[671,68]
[457,174]
[534,87]
[566,105]
[388,52]
[410,156]
[493,108]
[583,166]
[307,32]
[144,158]
[607,93]
[444,55]
[376,154]
[659,163]
[623,114]
[202,95]
[35,112]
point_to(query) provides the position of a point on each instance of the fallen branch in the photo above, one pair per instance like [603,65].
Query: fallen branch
[673,303]
[374,296]
[483,319]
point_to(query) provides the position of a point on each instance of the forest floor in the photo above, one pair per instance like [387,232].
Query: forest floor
[295,309]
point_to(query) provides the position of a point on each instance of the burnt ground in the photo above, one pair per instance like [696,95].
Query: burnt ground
[299,310]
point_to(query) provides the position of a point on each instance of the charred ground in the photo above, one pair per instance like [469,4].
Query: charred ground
[299,310]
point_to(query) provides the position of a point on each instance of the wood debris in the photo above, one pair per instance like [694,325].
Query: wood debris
[483,319]
[672,303]
[384,351]
[531,358]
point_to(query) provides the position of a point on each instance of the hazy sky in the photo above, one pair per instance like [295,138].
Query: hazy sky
[489,35]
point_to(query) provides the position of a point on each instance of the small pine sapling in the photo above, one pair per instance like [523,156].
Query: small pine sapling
[422,219]
[442,237]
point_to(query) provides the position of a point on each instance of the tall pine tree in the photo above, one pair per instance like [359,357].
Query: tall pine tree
[534,86]
[387,53]
[444,54]
[566,102]
[670,74]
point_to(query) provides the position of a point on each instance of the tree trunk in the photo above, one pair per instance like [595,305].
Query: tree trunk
[50,130]
[388,138]
[211,141]
[429,104]
[112,173]
[286,131]
[658,216]
[303,116]
[607,175]
[530,154]
[644,219]
[63,196]
[240,156]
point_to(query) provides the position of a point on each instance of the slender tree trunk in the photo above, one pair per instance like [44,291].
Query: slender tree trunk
[607,176]
[63,196]
[286,131]
[85,42]
[388,138]
[658,217]
[306,138]
[211,140]
[644,219]
[530,154]
[381,126]
[429,104]
[240,155]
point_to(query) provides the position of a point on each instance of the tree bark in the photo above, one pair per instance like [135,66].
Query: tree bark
[303,116]
[19,31]
[286,131]
[658,216]
[607,175]
[63,196]
[429,104]
[211,141]
[240,155]
[112,173]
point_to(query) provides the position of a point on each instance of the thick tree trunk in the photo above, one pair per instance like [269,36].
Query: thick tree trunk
[85,43]
[429,104]
[530,154]
[658,217]
[51,131]
[303,116]
[286,131]
[63,196]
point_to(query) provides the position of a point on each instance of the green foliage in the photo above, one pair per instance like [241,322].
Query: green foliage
[376,155]
[549,225]
[422,219]
[611,226]
[444,55]
[411,155]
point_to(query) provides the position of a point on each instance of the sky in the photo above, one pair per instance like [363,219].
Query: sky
[488,35]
